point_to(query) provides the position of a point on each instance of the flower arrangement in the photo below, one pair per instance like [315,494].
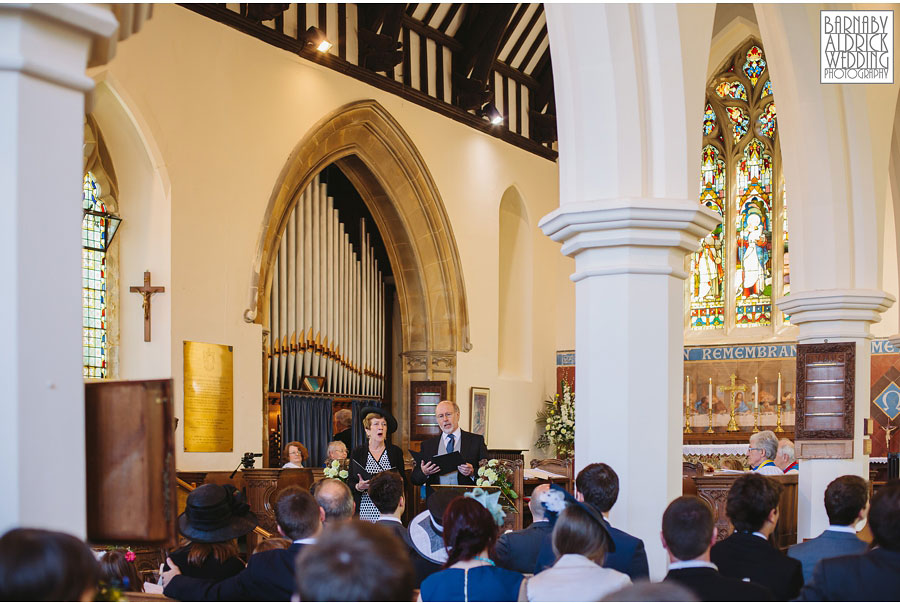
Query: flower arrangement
[335,470]
[558,417]
[494,474]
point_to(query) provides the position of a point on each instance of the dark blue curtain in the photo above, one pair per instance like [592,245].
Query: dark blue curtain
[359,434]
[307,419]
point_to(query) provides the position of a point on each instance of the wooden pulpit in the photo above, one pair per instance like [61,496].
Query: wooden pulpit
[130,446]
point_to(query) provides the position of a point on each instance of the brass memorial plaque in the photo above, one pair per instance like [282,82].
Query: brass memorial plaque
[208,397]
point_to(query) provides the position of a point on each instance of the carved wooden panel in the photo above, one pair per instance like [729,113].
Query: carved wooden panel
[826,378]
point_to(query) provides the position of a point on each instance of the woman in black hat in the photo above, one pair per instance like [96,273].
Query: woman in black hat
[374,457]
[212,521]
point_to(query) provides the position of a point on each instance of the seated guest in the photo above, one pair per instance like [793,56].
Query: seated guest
[270,544]
[335,498]
[118,572]
[784,458]
[470,531]
[644,590]
[355,561]
[732,465]
[295,454]
[426,530]
[761,453]
[212,520]
[688,533]
[518,551]
[39,565]
[343,430]
[336,452]
[871,576]
[386,492]
[598,485]
[269,576]
[752,507]
[846,503]
[377,455]
[580,541]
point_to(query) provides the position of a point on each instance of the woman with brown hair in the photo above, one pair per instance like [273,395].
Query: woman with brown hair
[295,454]
[377,455]
[214,518]
[117,571]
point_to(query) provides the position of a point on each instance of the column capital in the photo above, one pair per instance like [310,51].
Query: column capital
[611,230]
[835,313]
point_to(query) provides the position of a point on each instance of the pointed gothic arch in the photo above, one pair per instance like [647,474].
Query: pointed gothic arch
[389,173]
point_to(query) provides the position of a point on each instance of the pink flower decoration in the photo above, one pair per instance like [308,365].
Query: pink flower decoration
[130,556]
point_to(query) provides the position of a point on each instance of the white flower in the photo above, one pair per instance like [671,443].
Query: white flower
[493,463]
[481,471]
[335,464]
[491,475]
[480,482]
[343,474]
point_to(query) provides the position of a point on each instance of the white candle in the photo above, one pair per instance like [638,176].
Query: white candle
[709,399]
[778,400]
[756,393]
[687,392]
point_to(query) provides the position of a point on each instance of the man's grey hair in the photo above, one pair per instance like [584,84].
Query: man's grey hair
[786,447]
[767,441]
[335,498]
[453,402]
[344,417]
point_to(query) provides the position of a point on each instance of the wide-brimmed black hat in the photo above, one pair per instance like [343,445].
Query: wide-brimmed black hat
[391,421]
[215,514]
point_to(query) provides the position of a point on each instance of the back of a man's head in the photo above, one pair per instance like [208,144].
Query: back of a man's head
[297,513]
[750,500]
[538,512]
[355,561]
[687,527]
[385,490]
[884,516]
[40,565]
[335,497]
[845,497]
[599,485]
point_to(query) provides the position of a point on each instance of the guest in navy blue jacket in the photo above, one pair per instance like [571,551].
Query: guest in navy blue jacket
[598,485]
[269,575]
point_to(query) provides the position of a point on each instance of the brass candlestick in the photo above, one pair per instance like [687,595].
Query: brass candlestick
[756,420]
[778,428]
[687,418]
[710,430]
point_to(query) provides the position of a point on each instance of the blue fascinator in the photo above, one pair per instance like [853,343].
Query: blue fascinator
[490,501]
[556,499]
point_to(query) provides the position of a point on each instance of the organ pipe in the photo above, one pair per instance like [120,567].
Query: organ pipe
[326,306]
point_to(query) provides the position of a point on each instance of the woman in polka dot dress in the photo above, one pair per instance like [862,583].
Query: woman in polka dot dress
[374,457]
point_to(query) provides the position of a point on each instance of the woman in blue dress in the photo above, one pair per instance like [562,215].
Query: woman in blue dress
[470,531]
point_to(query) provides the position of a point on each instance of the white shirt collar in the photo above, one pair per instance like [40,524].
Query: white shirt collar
[389,518]
[847,529]
[761,535]
[676,565]
[456,435]
[311,540]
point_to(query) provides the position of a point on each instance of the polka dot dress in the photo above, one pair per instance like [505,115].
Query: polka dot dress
[367,510]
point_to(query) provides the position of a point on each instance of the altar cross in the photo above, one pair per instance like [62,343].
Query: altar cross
[887,437]
[146,291]
[733,388]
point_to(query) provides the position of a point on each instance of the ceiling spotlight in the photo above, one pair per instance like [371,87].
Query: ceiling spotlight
[316,37]
[491,113]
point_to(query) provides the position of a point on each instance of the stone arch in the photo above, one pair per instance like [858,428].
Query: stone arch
[388,171]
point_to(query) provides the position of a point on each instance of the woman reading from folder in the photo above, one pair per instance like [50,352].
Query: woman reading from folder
[375,456]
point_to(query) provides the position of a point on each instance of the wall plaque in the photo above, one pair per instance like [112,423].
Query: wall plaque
[825,399]
[208,397]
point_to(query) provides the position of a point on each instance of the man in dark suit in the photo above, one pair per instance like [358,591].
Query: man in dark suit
[471,446]
[846,503]
[752,507]
[335,498]
[872,576]
[269,575]
[518,551]
[386,492]
[688,533]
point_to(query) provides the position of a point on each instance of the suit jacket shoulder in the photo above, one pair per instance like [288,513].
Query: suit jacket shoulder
[630,556]
[872,576]
[747,556]
[710,585]
[828,544]
[519,550]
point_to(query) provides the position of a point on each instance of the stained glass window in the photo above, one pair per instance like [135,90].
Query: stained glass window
[755,64]
[709,120]
[740,122]
[767,121]
[731,90]
[743,265]
[93,279]
[708,264]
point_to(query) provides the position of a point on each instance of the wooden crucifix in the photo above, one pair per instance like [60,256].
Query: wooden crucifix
[146,291]
[887,437]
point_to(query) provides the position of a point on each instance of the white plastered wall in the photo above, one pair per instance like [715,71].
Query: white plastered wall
[225,110]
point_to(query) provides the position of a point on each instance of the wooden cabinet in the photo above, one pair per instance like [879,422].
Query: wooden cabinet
[130,447]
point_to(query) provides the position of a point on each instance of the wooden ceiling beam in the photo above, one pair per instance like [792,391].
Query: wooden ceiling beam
[430,32]
[521,40]
[513,23]
[533,49]
[430,14]
[379,51]
[448,18]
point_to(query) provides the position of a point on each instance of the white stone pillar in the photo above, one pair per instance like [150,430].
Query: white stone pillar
[43,54]
[832,316]
[629,311]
